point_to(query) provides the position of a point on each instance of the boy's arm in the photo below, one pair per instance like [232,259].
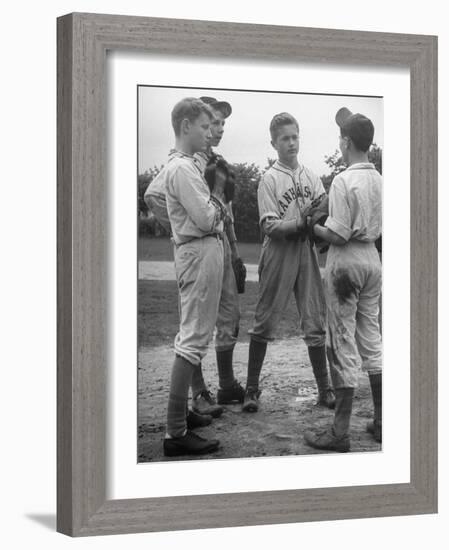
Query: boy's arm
[278,229]
[270,220]
[338,226]
[328,235]
[194,196]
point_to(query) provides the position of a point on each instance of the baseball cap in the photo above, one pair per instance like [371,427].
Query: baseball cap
[223,106]
[357,127]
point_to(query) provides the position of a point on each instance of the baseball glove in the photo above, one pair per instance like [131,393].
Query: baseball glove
[317,213]
[220,177]
[220,207]
[240,274]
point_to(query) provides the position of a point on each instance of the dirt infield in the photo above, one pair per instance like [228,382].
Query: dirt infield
[287,406]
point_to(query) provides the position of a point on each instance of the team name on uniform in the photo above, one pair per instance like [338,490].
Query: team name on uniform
[292,194]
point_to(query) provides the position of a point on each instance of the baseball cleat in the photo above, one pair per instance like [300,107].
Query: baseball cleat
[234,394]
[326,398]
[195,420]
[189,444]
[204,403]
[251,401]
[328,441]
[375,429]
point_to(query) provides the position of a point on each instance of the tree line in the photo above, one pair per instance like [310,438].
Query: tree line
[248,176]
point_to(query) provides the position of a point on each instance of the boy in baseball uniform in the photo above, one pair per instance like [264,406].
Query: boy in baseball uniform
[288,261]
[353,280]
[227,327]
[227,322]
[196,223]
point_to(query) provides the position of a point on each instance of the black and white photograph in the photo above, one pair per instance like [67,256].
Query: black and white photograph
[259,273]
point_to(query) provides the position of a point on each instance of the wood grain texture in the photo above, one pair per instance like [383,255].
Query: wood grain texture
[64,278]
[83,40]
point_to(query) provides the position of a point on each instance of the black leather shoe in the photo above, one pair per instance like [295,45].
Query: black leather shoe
[375,428]
[195,420]
[189,444]
[326,398]
[204,403]
[251,401]
[328,441]
[234,394]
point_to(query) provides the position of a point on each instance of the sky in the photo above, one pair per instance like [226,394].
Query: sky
[246,137]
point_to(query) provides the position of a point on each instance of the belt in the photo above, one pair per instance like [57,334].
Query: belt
[218,236]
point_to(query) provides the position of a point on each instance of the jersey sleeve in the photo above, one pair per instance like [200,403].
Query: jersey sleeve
[266,199]
[155,199]
[318,188]
[340,219]
[193,194]
[269,216]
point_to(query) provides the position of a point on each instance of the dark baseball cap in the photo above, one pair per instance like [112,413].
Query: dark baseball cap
[223,106]
[357,127]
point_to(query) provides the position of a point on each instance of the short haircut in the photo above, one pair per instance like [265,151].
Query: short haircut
[189,108]
[360,130]
[357,127]
[279,120]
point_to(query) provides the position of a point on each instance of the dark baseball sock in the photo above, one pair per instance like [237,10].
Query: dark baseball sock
[343,410]
[181,376]
[317,356]
[375,381]
[225,369]
[198,384]
[256,356]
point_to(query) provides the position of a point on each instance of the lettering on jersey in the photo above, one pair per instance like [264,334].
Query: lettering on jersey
[292,194]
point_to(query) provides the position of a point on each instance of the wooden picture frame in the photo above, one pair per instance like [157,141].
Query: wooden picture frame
[83,40]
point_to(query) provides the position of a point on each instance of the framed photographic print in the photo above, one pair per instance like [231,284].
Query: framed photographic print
[119,79]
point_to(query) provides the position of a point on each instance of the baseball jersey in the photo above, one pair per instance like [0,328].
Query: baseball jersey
[190,212]
[283,193]
[155,198]
[355,203]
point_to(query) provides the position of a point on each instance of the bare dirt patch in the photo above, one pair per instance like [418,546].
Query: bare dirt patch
[287,406]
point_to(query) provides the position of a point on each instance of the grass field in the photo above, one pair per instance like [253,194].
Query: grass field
[158,319]
[159,249]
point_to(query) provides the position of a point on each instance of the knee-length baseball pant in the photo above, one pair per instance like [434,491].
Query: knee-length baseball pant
[286,267]
[353,282]
[199,274]
[228,310]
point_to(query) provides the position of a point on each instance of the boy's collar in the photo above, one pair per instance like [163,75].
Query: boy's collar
[176,153]
[285,167]
[361,166]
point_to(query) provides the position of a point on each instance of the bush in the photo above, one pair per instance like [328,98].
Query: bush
[150,227]
[245,209]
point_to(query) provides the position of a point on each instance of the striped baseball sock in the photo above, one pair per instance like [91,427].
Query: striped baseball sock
[198,384]
[256,357]
[181,376]
[317,356]
[225,371]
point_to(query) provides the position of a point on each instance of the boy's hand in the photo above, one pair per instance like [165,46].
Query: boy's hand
[316,216]
[301,230]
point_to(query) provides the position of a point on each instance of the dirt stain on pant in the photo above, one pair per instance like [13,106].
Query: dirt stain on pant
[344,287]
